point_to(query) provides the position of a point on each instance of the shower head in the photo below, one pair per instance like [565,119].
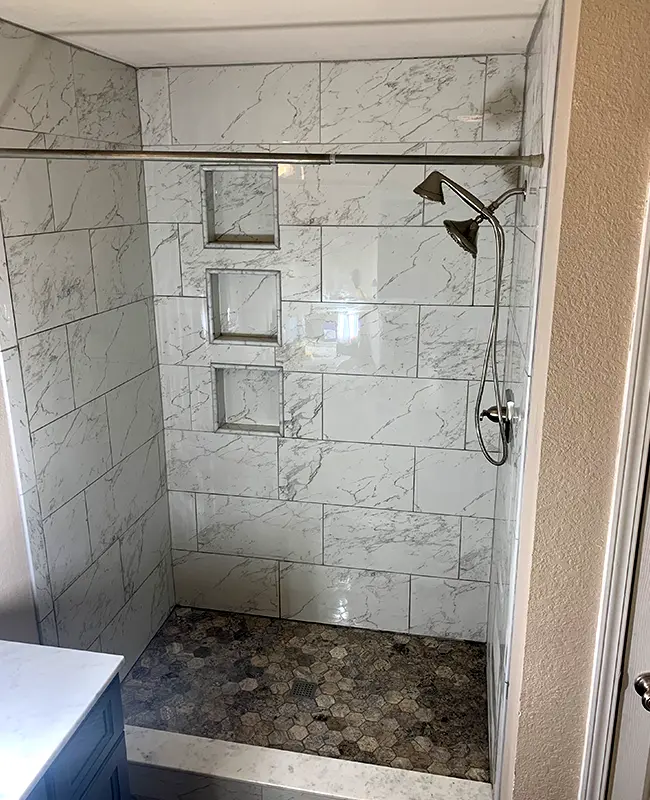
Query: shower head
[431,188]
[464,233]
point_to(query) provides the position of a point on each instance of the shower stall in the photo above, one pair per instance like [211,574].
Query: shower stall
[269,403]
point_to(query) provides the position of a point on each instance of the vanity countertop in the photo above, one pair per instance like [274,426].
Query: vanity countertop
[45,693]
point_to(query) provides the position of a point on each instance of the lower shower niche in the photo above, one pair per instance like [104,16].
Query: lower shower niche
[244,306]
[248,399]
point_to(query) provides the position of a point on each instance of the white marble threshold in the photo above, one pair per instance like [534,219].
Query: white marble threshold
[295,772]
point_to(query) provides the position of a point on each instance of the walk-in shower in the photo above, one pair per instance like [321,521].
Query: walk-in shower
[465,234]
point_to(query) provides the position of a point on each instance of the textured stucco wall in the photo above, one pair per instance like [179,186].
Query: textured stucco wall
[607,169]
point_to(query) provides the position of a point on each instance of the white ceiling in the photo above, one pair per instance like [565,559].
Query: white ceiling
[171,32]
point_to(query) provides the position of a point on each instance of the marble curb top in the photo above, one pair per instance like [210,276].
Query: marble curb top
[45,693]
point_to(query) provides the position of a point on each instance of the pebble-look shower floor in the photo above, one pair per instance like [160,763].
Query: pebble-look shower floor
[383,698]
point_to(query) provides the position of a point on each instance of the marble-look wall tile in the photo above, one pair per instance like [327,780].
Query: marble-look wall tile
[337,596]
[70,453]
[504,97]
[38,554]
[485,272]
[7,322]
[87,606]
[403,100]
[202,403]
[153,96]
[68,543]
[182,517]
[25,200]
[123,494]
[410,411]
[297,260]
[145,544]
[47,632]
[173,191]
[476,549]
[131,630]
[395,265]
[106,99]
[15,395]
[361,339]
[45,361]
[95,194]
[378,476]
[453,340]
[51,279]
[134,413]
[109,349]
[36,87]
[454,482]
[121,265]
[350,194]
[451,609]
[257,103]
[165,258]
[226,583]
[245,526]
[392,541]
[489,430]
[303,405]
[175,388]
[222,462]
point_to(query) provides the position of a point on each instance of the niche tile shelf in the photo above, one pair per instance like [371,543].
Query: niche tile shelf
[240,206]
[244,306]
[248,399]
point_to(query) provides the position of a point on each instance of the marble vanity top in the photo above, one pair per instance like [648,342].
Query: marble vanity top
[45,692]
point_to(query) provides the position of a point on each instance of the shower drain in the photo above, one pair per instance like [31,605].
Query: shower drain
[302,688]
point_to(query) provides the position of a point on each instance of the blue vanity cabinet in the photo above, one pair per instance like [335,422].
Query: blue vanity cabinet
[92,765]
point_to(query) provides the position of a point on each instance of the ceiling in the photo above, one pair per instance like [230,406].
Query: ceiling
[168,32]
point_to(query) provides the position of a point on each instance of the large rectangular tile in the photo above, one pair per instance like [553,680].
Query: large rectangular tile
[106,99]
[7,321]
[393,541]
[173,191]
[88,605]
[45,361]
[71,453]
[153,96]
[226,583]
[247,104]
[134,413]
[109,349]
[95,194]
[33,525]
[165,258]
[175,388]
[17,408]
[403,100]
[130,631]
[336,596]
[123,494]
[68,543]
[145,544]
[51,279]
[244,526]
[25,200]
[453,342]
[374,475]
[449,609]
[411,411]
[182,518]
[504,97]
[454,482]
[476,549]
[222,462]
[303,405]
[36,83]
[297,260]
[357,339]
[395,265]
[121,265]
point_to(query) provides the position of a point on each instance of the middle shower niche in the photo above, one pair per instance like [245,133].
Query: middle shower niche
[244,306]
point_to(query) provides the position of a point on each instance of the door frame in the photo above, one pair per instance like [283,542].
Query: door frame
[623,536]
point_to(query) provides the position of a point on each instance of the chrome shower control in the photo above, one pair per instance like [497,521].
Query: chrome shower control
[507,413]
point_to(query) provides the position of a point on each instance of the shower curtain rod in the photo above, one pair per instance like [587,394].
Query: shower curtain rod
[207,156]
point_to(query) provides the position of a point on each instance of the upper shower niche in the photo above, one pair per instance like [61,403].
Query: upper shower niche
[240,206]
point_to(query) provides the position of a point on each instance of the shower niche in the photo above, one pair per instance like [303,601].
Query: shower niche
[240,206]
[248,399]
[244,306]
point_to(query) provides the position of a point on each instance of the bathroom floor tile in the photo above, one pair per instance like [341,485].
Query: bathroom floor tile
[382,698]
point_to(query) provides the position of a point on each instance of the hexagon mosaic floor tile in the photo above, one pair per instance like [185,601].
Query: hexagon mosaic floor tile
[389,699]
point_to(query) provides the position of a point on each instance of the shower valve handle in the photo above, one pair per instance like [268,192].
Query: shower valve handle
[507,413]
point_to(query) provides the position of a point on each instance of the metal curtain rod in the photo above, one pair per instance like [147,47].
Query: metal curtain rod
[208,156]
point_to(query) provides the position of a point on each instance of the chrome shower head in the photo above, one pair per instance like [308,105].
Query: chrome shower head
[464,233]
[431,188]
